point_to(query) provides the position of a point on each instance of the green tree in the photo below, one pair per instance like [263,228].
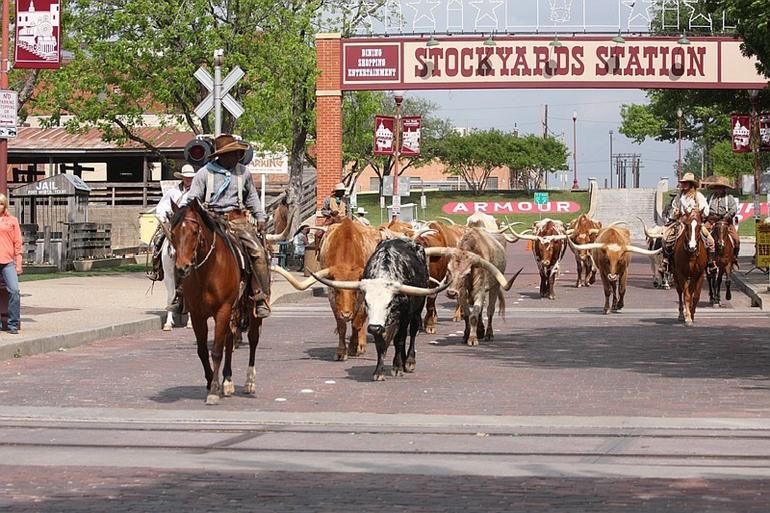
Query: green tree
[752,26]
[531,157]
[475,155]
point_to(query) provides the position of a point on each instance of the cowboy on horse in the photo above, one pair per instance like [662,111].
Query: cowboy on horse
[225,187]
[688,199]
[336,206]
[723,207]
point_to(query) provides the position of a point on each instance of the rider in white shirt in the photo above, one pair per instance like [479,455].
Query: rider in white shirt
[688,199]
[164,212]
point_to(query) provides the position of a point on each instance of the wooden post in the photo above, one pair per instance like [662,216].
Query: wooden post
[46,245]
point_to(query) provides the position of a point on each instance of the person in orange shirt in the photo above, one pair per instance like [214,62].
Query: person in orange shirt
[10,262]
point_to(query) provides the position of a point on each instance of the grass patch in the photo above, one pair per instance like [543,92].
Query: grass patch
[436,200]
[128,268]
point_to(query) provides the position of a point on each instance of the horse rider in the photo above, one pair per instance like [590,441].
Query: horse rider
[360,216]
[688,199]
[164,212]
[336,206]
[724,207]
[225,187]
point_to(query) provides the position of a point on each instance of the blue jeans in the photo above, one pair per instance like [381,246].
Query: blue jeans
[11,279]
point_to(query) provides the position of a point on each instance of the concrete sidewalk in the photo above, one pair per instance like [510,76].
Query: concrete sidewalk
[66,312]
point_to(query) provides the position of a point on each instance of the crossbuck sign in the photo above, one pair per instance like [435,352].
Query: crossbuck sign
[219,92]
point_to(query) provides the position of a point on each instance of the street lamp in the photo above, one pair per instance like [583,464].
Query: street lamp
[753,96]
[575,184]
[679,114]
[432,41]
[398,96]
[611,132]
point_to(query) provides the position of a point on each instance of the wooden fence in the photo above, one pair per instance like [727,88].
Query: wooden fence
[306,202]
[88,240]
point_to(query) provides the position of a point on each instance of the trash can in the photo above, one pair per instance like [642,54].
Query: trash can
[148,223]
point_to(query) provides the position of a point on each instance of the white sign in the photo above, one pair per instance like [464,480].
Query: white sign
[228,102]
[7,132]
[9,106]
[269,164]
[404,187]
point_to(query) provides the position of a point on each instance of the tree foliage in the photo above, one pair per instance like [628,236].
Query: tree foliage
[753,26]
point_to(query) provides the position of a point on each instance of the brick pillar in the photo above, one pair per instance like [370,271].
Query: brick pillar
[328,115]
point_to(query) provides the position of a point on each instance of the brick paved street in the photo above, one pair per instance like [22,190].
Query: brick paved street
[569,410]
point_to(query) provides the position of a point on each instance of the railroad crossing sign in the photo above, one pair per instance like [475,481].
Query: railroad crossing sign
[228,102]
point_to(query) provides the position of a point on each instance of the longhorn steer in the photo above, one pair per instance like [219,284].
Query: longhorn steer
[612,254]
[345,249]
[440,236]
[654,237]
[394,286]
[476,270]
[584,230]
[548,248]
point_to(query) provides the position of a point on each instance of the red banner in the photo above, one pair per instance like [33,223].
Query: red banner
[410,136]
[38,34]
[372,62]
[764,132]
[741,134]
[384,135]
[511,207]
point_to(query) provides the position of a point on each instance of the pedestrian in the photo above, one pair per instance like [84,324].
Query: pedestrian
[300,242]
[10,263]
[281,215]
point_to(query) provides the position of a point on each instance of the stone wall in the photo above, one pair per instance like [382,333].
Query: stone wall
[124,221]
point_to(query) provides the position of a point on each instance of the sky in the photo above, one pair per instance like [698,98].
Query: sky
[598,111]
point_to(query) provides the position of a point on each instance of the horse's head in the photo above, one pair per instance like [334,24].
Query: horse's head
[720,234]
[186,235]
[692,222]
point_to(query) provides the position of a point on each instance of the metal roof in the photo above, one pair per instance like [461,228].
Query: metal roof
[60,141]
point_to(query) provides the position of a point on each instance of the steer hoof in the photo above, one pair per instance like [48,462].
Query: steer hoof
[212,399]
[167,327]
[228,388]
[472,341]
[410,364]
[689,323]
[378,376]
[341,357]
[250,389]
[430,329]
[396,371]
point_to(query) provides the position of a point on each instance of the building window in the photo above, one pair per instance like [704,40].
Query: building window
[374,183]
[492,183]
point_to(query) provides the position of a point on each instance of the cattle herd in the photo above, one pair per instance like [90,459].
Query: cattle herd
[381,279]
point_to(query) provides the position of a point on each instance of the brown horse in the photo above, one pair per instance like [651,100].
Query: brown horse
[212,287]
[690,259]
[724,263]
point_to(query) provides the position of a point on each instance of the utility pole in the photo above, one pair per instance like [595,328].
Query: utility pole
[545,121]
[396,200]
[611,132]
[4,85]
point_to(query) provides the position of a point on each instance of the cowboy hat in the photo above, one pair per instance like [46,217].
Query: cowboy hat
[226,143]
[362,211]
[719,181]
[187,172]
[689,177]
[340,187]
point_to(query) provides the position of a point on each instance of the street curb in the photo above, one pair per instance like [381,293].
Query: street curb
[67,340]
[746,288]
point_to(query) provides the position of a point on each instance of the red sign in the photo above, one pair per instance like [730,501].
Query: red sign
[741,133]
[371,63]
[531,62]
[384,135]
[410,136]
[511,207]
[38,34]
[764,132]
[746,210]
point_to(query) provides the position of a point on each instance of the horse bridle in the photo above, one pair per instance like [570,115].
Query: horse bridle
[199,244]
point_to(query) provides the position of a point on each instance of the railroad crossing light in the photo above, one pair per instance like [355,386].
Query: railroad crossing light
[248,156]
[197,152]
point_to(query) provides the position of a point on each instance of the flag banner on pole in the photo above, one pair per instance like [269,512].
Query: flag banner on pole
[410,136]
[384,127]
[38,34]
[741,133]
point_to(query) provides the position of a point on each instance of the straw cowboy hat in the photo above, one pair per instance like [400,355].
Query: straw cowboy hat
[719,181]
[689,177]
[361,211]
[187,172]
[340,187]
[226,143]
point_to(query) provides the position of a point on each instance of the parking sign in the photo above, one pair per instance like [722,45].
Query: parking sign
[8,110]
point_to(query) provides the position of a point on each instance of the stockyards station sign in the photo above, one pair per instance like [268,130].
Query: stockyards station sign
[580,62]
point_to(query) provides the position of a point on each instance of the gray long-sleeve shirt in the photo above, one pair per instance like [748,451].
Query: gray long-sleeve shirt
[228,200]
[725,206]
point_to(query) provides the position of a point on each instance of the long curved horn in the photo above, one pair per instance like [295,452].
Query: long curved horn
[423,231]
[337,284]
[504,228]
[447,220]
[523,235]
[410,290]
[439,251]
[299,285]
[594,231]
[499,276]
[647,231]
[281,236]
[513,239]
[320,228]
[641,251]
[616,223]
[586,247]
